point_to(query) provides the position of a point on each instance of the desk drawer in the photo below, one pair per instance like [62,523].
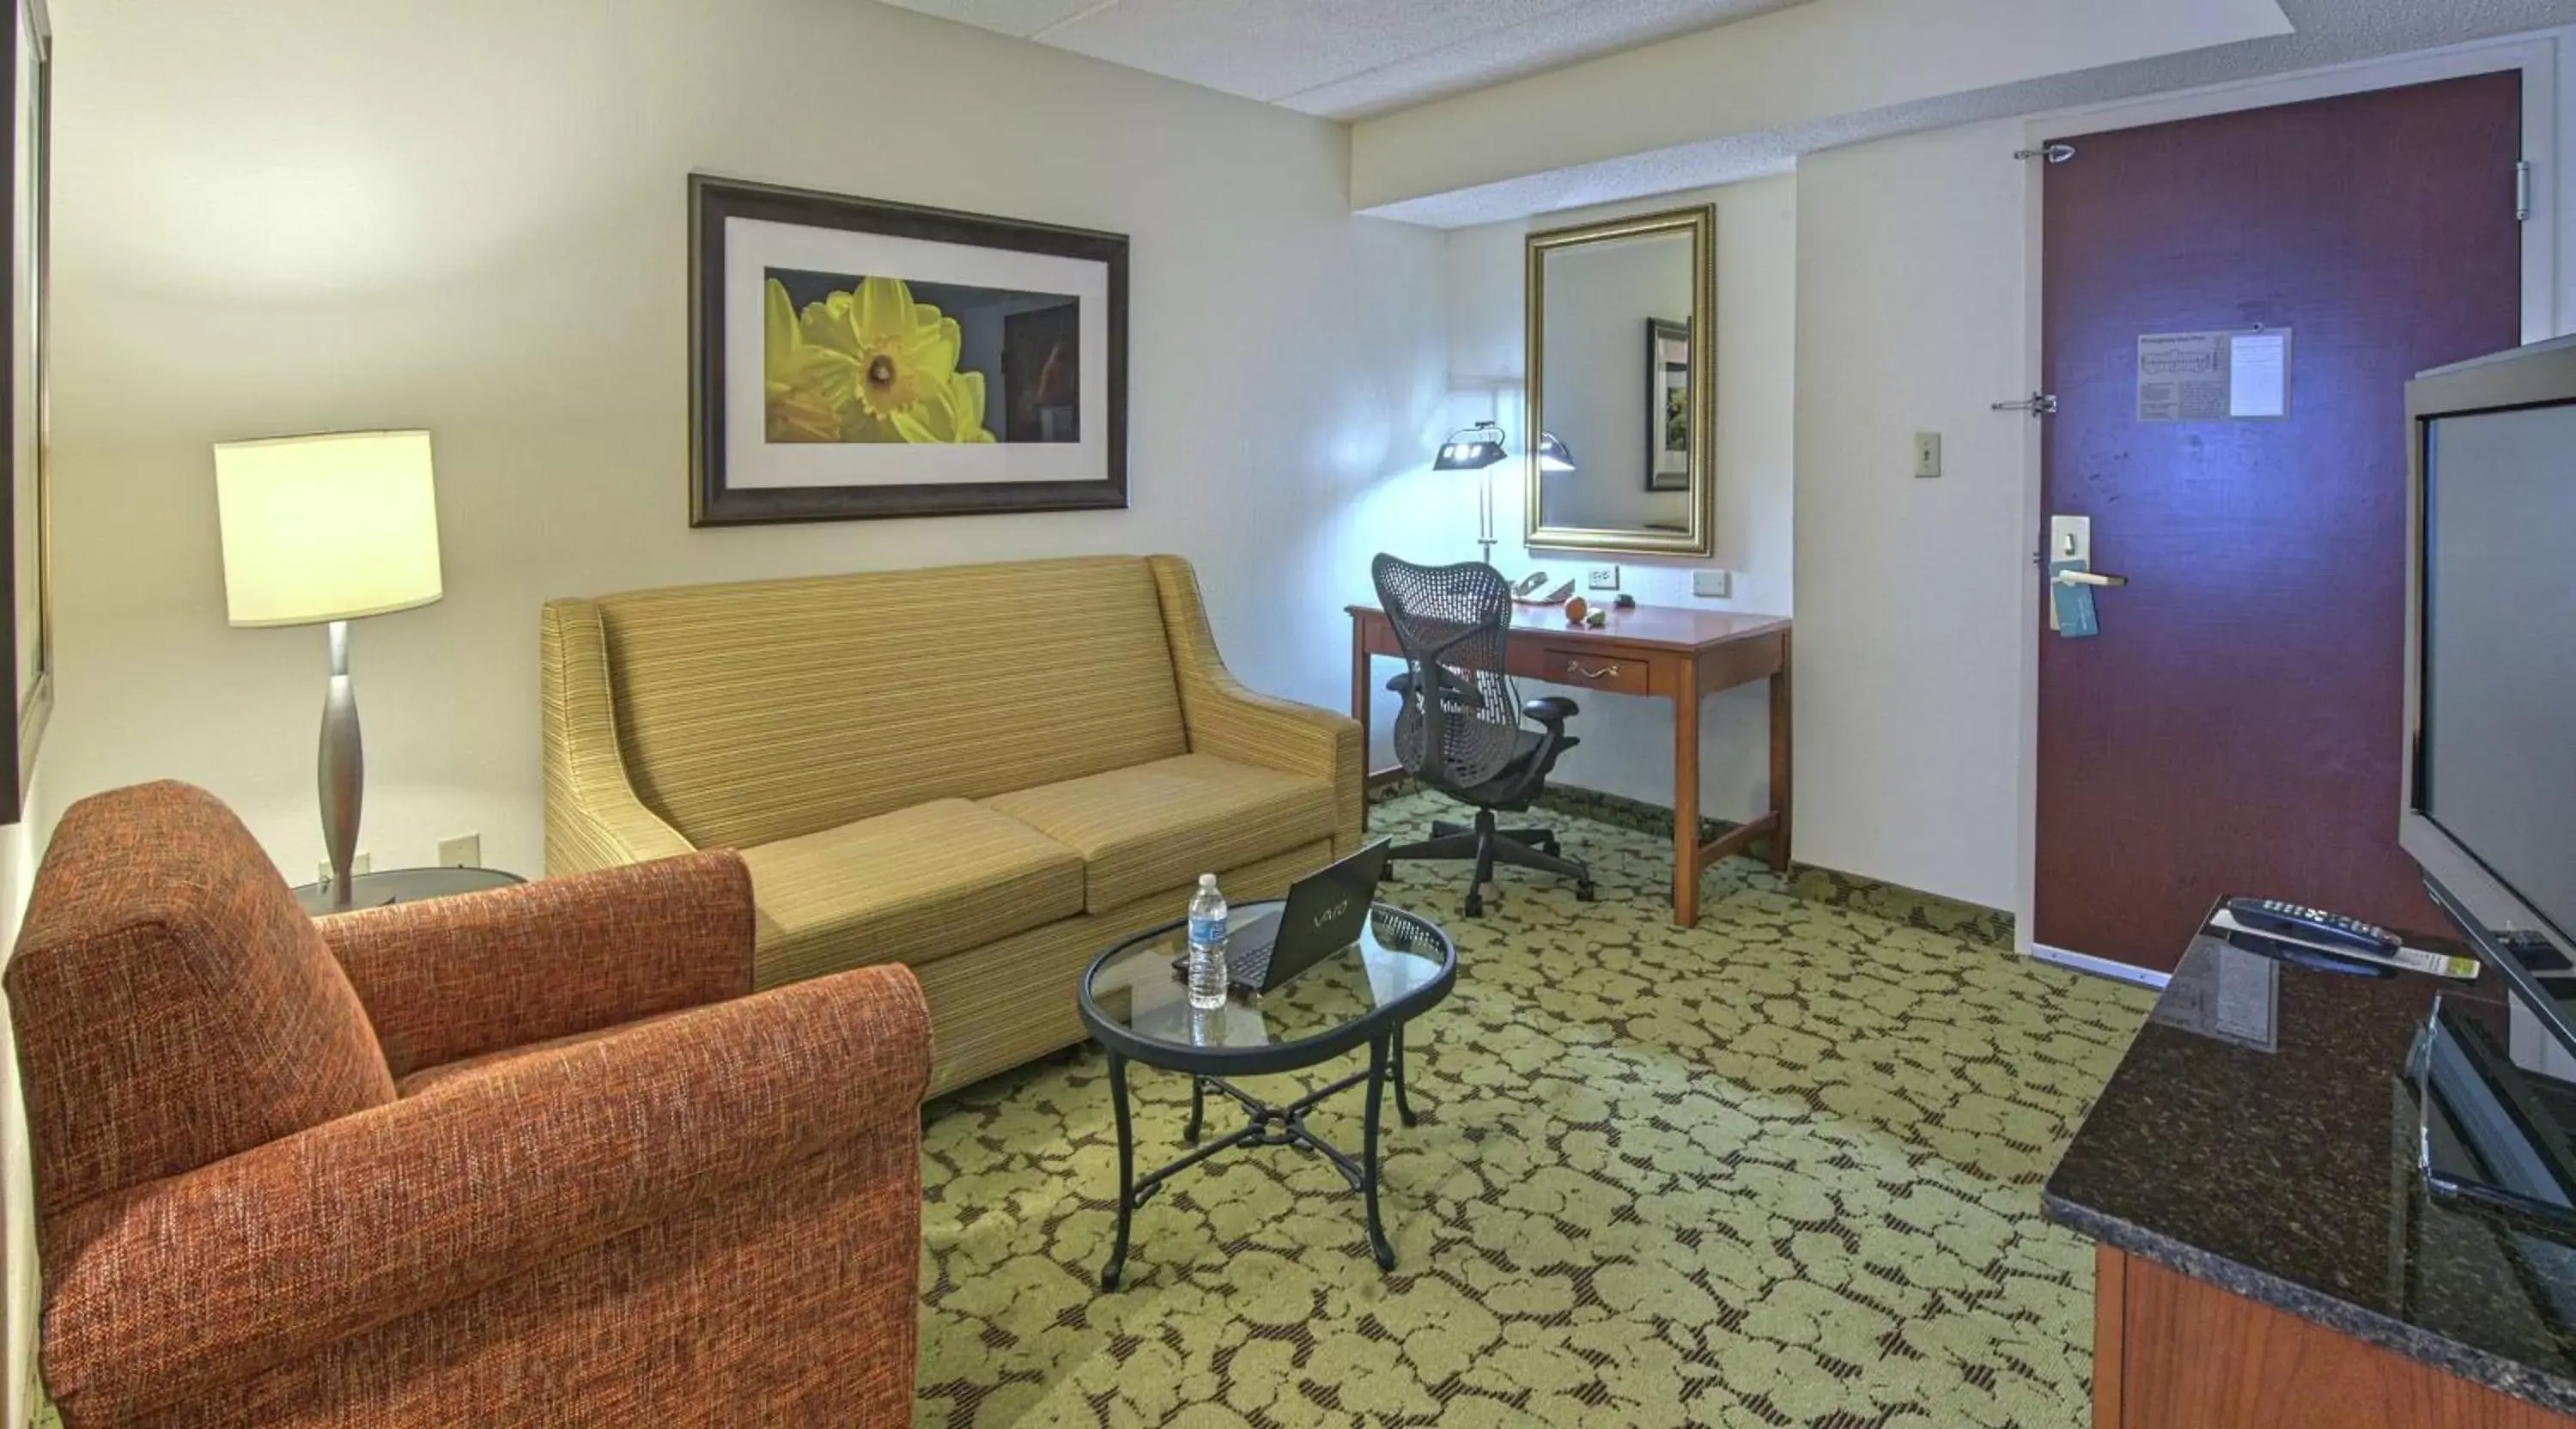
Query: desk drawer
[1593,669]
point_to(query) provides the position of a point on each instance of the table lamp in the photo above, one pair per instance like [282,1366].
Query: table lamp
[1480,446]
[1553,454]
[1474,449]
[323,530]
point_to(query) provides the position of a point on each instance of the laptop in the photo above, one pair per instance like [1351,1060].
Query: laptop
[1323,915]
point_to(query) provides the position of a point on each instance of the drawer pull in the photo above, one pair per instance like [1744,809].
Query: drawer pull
[1577,667]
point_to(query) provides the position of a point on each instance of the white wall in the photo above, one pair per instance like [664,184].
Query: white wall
[1627,739]
[1911,273]
[289,215]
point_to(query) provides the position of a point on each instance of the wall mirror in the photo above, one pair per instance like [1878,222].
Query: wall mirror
[1622,373]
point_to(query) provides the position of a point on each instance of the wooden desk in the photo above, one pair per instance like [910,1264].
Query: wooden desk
[1658,651]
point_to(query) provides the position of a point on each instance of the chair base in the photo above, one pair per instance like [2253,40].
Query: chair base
[1486,844]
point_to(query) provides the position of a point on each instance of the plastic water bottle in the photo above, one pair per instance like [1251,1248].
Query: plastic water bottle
[1207,945]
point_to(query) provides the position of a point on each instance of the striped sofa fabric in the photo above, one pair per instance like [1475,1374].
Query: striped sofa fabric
[989,773]
[479,1161]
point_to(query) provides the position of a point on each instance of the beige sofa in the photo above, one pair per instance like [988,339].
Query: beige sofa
[990,773]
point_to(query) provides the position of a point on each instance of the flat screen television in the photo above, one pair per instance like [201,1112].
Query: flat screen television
[2489,812]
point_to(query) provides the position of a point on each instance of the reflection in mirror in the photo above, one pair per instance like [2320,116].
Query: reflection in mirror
[1617,376]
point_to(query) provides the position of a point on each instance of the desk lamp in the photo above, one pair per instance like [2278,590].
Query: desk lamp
[1474,449]
[323,530]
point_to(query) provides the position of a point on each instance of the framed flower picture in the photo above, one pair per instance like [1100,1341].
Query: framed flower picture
[852,359]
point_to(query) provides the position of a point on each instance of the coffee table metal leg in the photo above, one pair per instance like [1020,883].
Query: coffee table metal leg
[1403,1107]
[1377,1080]
[1198,1111]
[1127,1170]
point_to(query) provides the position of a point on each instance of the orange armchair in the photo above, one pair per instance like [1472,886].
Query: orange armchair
[530,1156]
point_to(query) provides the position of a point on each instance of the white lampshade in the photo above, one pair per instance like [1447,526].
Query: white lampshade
[329,527]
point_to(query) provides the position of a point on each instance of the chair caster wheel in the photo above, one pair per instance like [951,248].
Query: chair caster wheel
[1475,905]
[1586,893]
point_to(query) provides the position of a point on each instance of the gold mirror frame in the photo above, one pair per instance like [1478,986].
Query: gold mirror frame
[1700,540]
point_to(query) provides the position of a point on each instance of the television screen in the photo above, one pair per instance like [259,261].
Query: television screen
[2498,679]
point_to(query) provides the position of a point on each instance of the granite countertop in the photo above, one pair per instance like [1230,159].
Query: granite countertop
[2261,1134]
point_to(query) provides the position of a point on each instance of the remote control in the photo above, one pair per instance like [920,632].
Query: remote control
[2274,915]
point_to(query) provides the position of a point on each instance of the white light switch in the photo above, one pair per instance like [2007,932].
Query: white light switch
[1927,453]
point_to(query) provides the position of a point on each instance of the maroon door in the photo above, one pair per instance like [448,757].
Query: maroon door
[2235,726]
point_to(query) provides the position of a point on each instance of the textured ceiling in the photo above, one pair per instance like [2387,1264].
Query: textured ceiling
[2328,32]
[1345,59]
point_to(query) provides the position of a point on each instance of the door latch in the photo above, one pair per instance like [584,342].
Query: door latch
[2038,404]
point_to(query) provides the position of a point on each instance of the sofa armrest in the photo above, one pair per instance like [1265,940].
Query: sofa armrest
[593,817]
[459,977]
[211,1277]
[1229,720]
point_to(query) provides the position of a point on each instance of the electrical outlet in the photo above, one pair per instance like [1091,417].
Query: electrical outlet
[462,851]
[361,864]
[1927,453]
[1602,578]
[1714,584]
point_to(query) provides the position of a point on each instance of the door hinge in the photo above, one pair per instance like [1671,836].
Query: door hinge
[2522,192]
[2054,153]
[2038,404]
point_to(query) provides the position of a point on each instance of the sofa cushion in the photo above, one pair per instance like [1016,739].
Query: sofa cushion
[1160,825]
[910,886]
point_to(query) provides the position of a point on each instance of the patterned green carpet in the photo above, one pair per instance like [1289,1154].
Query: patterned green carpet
[1781,1169]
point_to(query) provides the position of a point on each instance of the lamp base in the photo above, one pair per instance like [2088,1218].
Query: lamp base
[342,769]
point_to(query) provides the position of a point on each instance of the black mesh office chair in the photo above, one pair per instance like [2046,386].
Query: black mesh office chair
[1453,623]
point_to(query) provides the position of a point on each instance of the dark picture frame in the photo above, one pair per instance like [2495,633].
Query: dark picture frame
[1667,403]
[715,203]
[26,496]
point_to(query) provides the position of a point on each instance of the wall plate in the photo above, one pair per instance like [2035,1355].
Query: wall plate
[2070,538]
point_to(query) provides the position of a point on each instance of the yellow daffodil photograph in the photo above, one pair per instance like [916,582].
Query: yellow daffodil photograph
[861,359]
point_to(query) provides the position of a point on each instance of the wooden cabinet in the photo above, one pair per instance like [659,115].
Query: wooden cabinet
[2171,1352]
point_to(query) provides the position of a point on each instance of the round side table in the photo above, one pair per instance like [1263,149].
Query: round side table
[1137,1006]
[403,885]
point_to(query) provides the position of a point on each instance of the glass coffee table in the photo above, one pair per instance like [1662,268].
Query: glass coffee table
[1138,1007]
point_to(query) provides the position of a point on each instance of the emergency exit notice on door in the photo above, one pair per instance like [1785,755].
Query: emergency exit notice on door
[2214,376]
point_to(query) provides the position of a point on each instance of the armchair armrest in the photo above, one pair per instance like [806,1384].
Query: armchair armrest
[1227,719]
[593,818]
[156,1293]
[460,977]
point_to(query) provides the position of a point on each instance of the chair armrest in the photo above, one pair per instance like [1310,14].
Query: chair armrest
[1551,710]
[593,817]
[211,1277]
[459,977]
[1226,719]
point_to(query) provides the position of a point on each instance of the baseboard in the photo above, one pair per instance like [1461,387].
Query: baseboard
[2100,967]
[1950,917]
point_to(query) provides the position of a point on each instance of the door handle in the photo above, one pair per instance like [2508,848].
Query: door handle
[2093,578]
